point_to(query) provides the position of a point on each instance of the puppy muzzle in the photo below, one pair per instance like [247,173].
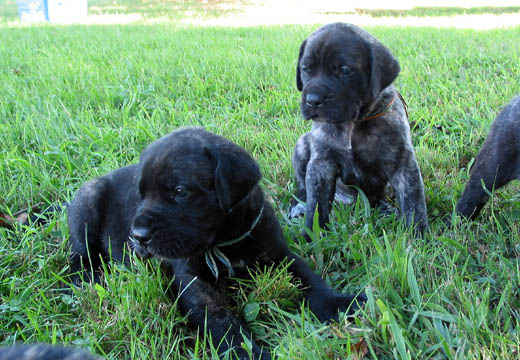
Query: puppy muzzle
[139,249]
[142,235]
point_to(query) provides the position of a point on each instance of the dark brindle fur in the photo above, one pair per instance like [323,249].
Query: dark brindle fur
[43,352]
[360,134]
[191,191]
[497,163]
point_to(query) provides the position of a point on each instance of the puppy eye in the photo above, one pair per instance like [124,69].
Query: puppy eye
[180,192]
[345,70]
[305,69]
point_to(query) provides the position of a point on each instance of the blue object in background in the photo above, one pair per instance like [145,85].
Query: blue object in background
[33,10]
[55,11]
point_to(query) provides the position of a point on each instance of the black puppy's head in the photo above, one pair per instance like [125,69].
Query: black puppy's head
[189,181]
[342,68]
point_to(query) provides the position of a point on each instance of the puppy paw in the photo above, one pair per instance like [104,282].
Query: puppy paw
[420,229]
[327,307]
[80,278]
[385,208]
[297,210]
[345,198]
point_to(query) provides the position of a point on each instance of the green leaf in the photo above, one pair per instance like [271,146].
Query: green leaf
[412,284]
[251,311]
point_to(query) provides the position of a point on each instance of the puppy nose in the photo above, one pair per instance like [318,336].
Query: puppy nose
[142,235]
[314,100]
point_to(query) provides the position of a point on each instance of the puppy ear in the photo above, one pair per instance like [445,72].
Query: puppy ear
[299,83]
[384,68]
[236,174]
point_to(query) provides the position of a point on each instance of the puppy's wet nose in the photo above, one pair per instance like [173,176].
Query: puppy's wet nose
[142,235]
[314,100]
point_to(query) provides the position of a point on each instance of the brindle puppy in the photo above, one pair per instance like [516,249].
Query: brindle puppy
[360,134]
[194,201]
[497,163]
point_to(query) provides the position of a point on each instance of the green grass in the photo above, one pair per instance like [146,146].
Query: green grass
[423,11]
[172,9]
[176,9]
[80,101]
[8,10]
[169,8]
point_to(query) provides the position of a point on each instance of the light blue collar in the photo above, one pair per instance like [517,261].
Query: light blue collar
[213,254]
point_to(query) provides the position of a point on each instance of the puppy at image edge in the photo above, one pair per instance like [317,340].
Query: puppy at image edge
[497,163]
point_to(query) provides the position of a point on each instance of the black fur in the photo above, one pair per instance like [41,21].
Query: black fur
[192,190]
[360,134]
[497,163]
[43,352]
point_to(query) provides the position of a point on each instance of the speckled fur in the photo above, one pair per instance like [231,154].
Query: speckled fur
[342,147]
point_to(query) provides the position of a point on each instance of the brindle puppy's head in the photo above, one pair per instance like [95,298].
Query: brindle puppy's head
[189,181]
[341,69]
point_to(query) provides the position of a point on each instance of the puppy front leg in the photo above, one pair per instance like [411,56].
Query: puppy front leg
[205,304]
[323,301]
[320,181]
[408,186]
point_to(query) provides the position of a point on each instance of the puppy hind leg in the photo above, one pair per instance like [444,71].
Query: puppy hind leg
[300,159]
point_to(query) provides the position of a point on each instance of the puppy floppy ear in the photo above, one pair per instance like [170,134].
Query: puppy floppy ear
[384,68]
[299,83]
[236,174]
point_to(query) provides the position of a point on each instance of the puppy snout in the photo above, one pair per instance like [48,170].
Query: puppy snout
[142,235]
[314,100]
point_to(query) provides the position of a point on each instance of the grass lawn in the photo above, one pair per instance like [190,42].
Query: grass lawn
[423,11]
[80,101]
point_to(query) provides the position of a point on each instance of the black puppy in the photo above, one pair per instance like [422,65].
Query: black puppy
[497,163]
[360,133]
[43,352]
[194,201]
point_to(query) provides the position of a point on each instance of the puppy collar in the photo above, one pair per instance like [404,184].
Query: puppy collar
[214,253]
[381,113]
